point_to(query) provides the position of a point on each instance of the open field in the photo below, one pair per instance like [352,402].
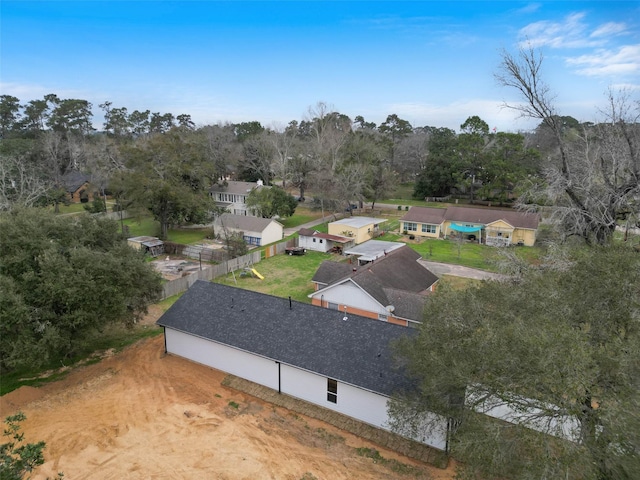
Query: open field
[142,414]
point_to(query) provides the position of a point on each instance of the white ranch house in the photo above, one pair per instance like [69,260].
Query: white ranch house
[337,361]
[256,231]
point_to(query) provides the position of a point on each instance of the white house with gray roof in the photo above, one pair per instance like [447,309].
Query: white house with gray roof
[337,361]
[232,195]
[256,231]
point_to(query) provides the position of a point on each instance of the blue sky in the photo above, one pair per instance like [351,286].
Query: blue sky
[429,62]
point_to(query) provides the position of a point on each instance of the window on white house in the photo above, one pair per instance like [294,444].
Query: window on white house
[332,390]
[410,226]
[320,240]
[333,306]
[382,316]
[314,240]
[427,228]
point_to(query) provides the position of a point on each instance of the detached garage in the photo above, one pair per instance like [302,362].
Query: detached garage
[325,357]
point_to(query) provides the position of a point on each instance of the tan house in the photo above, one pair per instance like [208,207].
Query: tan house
[359,228]
[493,227]
[392,288]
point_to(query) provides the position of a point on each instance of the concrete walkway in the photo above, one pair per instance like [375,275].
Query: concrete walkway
[460,271]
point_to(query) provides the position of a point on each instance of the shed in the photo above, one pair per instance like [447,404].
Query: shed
[151,245]
[323,242]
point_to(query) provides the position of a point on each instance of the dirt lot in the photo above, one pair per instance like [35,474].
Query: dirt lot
[143,414]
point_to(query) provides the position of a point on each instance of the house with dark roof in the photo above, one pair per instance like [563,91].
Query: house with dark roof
[77,186]
[232,195]
[392,288]
[256,231]
[493,227]
[323,242]
[339,361]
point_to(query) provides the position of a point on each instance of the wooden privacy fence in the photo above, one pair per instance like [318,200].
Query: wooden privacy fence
[278,248]
[197,252]
[209,272]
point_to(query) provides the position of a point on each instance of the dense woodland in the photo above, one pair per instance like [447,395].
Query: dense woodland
[562,337]
[341,159]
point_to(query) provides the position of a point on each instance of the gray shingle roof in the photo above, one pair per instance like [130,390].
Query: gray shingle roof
[73,180]
[244,222]
[486,216]
[471,215]
[329,272]
[354,351]
[238,188]
[396,279]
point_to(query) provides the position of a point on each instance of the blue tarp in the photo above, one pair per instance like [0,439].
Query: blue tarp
[462,228]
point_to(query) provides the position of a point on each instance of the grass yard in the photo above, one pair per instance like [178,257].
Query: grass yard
[68,209]
[301,216]
[284,275]
[147,226]
[467,254]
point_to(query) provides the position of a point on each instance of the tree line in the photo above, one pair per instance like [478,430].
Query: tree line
[166,164]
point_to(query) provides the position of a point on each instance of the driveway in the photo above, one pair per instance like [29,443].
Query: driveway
[460,271]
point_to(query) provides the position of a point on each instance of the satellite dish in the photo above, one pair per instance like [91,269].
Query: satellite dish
[390,308]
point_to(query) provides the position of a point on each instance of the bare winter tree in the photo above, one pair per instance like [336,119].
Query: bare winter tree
[20,183]
[597,179]
[285,146]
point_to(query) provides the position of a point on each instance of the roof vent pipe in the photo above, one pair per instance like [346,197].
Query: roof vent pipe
[290,303]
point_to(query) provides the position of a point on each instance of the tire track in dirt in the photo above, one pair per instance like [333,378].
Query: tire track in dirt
[141,414]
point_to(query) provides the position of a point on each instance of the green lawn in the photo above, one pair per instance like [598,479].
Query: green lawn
[147,226]
[284,275]
[301,216]
[466,254]
[71,208]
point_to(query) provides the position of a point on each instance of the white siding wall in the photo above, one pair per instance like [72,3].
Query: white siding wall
[348,294]
[273,233]
[309,244]
[354,402]
[230,360]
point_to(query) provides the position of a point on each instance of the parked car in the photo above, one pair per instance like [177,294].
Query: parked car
[295,250]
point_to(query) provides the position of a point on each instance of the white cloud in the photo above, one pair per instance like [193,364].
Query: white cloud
[572,32]
[529,8]
[610,28]
[569,33]
[623,61]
